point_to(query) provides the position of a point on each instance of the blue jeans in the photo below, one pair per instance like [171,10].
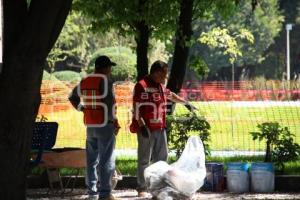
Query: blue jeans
[100,159]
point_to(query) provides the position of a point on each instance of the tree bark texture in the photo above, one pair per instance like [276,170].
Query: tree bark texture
[142,42]
[181,52]
[30,32]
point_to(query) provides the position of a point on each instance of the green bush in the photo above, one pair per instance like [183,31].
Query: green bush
[67,76]
[181,127]
[125,59]
[199,66]
[280,145]
[47,76]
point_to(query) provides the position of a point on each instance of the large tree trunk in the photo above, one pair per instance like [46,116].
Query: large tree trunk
[142,42]
[29,34]
[181,52]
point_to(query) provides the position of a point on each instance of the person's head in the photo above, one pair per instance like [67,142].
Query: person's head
[159,71]
[103,65]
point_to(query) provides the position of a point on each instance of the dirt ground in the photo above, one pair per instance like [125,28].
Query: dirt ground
[132,195]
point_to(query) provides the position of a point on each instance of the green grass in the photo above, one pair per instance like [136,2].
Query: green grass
[230,123]
[128,165]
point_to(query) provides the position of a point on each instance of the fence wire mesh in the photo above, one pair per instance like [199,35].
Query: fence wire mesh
[232,109]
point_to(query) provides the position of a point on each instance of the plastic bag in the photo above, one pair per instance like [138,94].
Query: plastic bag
[181,179]
[154,175]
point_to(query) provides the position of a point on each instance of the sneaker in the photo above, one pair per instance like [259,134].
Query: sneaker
[142,194]
[110,197]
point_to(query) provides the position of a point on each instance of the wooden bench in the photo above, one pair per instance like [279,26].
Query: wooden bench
[68,158]
[52,159]
[45,156]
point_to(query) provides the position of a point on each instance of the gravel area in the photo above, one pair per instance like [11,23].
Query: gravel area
[132,195]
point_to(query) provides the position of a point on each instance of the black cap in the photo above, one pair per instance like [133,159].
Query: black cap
[103,61]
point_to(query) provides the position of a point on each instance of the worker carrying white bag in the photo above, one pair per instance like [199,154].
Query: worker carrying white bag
[181,179]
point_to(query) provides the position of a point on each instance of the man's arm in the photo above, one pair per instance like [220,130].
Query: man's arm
[75,99]
[138,89]
[177,99]
[143,129]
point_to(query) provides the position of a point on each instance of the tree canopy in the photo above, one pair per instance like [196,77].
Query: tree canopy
[264,23]
[141,18]
[78,43]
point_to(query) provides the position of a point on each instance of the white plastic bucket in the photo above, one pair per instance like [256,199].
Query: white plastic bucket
[237,177]
[262,177]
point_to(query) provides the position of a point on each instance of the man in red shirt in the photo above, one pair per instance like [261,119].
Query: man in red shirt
[149,119]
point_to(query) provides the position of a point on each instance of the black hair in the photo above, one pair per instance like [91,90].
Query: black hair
[158,66]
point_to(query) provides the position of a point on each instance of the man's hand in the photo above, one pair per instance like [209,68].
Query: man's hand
[117,130]
[117,126]
[80,107]
[144,131]
[190,107]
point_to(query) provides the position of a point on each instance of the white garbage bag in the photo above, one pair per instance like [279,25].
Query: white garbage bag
[154,174]
[181,179]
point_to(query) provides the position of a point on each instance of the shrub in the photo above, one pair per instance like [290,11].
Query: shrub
[41,118]
[280,145]
[199,67]
[181,127]
[125,59]
[67,76]
[47,76]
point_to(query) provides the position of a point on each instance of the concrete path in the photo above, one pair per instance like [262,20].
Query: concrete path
[132,195]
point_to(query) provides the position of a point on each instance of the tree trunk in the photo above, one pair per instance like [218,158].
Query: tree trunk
[29,34]
[181,52]
[142,42]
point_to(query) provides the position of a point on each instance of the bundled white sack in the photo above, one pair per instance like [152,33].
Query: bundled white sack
[181,179]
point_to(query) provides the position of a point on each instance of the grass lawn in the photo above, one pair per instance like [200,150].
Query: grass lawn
[128,165]
[230,123]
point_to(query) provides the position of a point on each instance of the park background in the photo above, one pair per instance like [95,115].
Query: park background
[232,114]
[234,91]
[212,47]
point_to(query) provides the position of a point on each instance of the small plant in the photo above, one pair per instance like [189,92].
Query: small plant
[181,127]
[41,118]
[280,145]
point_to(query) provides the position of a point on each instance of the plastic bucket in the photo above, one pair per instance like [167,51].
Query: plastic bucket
[214,180]
[237,177]
[262,177]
